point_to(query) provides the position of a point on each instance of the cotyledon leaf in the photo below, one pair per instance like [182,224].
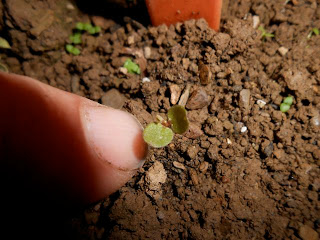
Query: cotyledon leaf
[157,135]
[178,117]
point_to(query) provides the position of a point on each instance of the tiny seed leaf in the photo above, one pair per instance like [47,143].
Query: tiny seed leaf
[157,135]
[288,100]
[284,107]
[178,117]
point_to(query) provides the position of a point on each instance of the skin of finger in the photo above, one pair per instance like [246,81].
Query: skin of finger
[42,137]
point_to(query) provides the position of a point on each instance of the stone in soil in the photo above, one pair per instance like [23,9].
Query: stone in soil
[198,99]
[113,98]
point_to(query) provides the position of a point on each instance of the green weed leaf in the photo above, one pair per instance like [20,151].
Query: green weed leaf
[157,135]
[131,66]
[178,117]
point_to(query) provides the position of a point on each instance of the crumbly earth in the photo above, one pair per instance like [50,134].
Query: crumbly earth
[245,170]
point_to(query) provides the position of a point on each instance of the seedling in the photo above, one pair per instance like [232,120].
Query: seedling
[131,66]
[286,104]
[314,31]
[264,33]
[75,38]
[160,134]
[72,49]
[88,27]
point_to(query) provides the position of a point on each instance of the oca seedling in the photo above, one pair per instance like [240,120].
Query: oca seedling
[160,134]
[286,104]
[264,33]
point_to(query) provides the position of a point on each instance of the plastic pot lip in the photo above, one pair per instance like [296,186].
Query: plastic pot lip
[170,12]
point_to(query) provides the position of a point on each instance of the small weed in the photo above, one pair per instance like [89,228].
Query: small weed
[314,31]
[75,38]
[131,66]
[286,104]
[72,49]
[265,34]
[161,134]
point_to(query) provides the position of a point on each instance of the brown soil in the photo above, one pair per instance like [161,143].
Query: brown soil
[244,170]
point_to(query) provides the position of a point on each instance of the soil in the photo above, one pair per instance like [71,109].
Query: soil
[244,170]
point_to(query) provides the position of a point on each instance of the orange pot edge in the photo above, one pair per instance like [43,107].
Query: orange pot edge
[173,11]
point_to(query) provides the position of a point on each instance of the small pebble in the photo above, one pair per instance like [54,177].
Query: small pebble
[283,51]
[243,129]
[198,99]
[147,52]
[70,6]
[205,74]
[131,40]
[261,103]
[256,21]
[229,141]
[307,233]
[123,70]
[245,99]
[175,91]
[145,80]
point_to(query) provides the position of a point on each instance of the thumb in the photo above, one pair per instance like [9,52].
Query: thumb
[63,144]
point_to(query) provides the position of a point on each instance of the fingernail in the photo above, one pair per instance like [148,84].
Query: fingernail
[115,136]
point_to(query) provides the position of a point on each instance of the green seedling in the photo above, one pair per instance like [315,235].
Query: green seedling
[87,27]
[76,38]
[72,49]
[131,66]
[286,104]
[161,134]
[314,31]
[265,34]
[4,43]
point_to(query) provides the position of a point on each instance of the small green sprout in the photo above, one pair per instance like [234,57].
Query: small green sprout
[160,134]
[264,33]
[4,43]
[314,31]
[286,104]
[87,27]
[76,38]
[72,49]
[131,66]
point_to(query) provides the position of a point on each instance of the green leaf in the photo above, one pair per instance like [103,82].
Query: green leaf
[80,26]
[131,66]
[69,48]
[92,30]
[87,26]
[288,100]
[97,29]
[4,43]
[157,135]
[178,117]
[284,107]
[76,38]
[315,31]
[76,51]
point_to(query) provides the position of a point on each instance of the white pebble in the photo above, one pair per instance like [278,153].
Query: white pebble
[145,79]
[256,21]
[283,51]
[70,6]
[243,129]
[261,103]
[123,70]
[229,141]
